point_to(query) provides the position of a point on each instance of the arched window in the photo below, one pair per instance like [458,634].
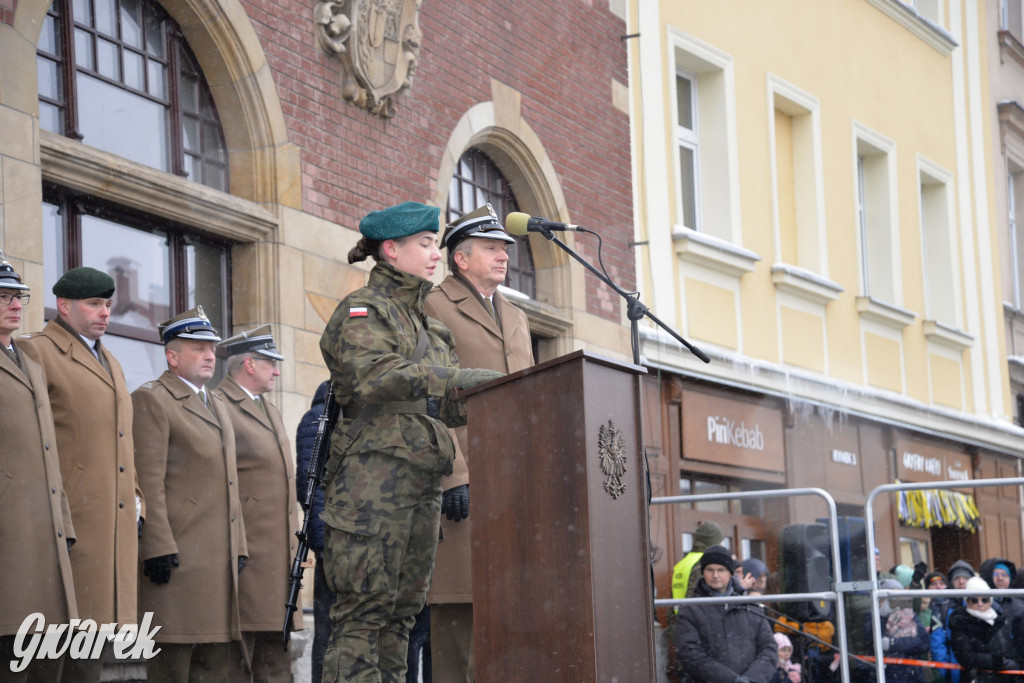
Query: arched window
[478,181]
[118,75]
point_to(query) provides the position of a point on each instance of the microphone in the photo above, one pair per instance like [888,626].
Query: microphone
[518,223]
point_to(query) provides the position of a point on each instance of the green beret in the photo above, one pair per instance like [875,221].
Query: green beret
[394,222]
[84,283]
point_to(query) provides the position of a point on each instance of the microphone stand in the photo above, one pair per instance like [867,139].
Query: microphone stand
[635,310]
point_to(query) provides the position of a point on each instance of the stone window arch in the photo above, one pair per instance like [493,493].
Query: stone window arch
[496,129]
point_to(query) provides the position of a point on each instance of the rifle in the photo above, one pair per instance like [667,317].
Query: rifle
[317,464]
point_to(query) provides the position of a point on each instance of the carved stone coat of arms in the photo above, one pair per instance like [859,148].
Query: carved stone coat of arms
[378,44]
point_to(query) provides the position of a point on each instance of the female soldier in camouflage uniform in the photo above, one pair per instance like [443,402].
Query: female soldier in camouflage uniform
[393,369]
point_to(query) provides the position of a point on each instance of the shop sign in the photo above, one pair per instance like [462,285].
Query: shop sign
[922,461]
[844,457]
[732,431]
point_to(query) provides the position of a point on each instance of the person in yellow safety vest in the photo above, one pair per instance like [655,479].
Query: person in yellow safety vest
[683,579]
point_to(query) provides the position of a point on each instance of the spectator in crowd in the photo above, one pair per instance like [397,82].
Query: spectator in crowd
[684,579]
[788,671]
[755,576]
[982,638]
[902,634]
[942,651]
[999,572]
[323,598]
[718,643]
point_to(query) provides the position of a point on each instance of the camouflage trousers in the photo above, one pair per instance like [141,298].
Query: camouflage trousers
[381,523]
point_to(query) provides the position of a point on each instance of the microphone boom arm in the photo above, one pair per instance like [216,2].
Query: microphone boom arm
[635,310]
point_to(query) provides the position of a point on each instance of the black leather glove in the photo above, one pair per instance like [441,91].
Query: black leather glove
[158,569]
[241,563]
[455,503]
[469,377]
[920,571]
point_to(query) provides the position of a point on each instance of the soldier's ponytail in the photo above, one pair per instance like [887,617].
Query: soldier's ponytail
[365,248]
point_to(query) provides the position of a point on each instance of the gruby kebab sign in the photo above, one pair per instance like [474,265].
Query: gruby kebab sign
[919,460]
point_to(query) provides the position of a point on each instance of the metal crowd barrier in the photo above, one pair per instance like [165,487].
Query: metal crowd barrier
[836,596]
[831,596]
[876,592]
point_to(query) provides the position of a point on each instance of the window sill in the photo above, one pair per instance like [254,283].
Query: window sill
[950,337]
[804,284]
[885,314]
[907,16]
[83,168]
[713,253]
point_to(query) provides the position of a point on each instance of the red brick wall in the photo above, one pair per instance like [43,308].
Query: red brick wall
[7,8]
[562,57]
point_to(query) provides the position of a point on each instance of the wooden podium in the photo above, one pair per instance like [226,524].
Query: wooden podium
[561,562]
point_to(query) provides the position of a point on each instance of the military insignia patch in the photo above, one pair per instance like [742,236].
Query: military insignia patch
[357,312]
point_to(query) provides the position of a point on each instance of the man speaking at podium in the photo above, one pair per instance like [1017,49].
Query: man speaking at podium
[490,332]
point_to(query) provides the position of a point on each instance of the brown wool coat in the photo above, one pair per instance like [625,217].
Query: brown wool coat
[35,522]
[185,457]
[92,413]
[266,488]
[479,343]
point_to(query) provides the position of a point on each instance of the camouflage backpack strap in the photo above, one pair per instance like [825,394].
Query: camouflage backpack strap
[361,416]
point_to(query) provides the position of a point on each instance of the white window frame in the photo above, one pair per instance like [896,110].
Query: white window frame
[689,139]
[939,265]
[717,201]
[875,196]
[812,245]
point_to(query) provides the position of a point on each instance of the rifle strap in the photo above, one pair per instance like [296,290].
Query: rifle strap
[365,414]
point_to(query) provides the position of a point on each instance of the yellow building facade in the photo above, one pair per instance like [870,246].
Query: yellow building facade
[815,210]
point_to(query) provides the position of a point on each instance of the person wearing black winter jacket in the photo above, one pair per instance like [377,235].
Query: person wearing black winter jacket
[323,598]
[723,643]
[982,639]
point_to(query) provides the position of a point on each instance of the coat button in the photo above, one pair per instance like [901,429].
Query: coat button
[60,534]
[120,432]
[46,446]
[232,518]
[121,468]
[120,504]
[231,482]
[53,489]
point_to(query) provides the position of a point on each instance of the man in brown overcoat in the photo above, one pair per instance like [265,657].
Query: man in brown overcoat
[92,412]
[193,541]
[35,522]
[266,487]
[490,332]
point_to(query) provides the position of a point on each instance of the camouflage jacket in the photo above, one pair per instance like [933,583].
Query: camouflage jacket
[367,346]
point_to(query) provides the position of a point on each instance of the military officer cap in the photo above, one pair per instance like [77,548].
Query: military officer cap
[84,283]
[258,340]
[482,222]
[8,278]
[192,324]
[395,222]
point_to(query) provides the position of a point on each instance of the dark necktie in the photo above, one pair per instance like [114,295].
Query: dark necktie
[490,307]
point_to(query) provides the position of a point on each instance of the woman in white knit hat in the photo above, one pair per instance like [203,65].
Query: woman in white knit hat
[982,640]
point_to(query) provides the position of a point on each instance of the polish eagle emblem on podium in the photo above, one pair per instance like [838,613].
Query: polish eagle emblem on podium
[611,449]
[378,45]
